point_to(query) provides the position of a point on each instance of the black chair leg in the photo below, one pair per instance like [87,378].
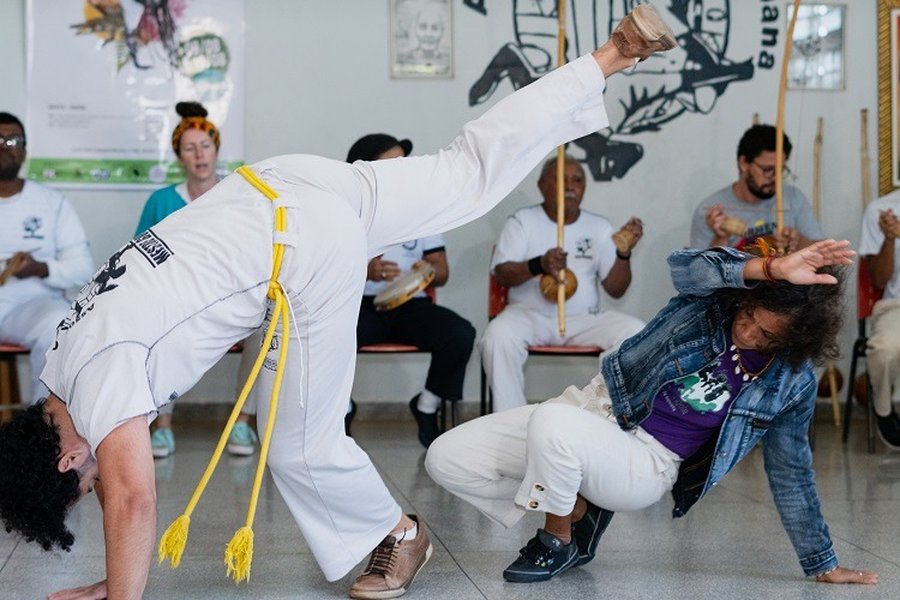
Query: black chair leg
[848,405]
[443,414]
[454,413]
[870,415]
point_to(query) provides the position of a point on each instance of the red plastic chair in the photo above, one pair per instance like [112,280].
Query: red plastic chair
[498,297]
[392,348]
[10,398]
[866,297]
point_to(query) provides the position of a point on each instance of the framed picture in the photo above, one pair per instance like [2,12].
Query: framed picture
[817,55]
[888,95]
[421,38]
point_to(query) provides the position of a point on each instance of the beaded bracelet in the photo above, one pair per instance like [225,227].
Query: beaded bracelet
[767,268]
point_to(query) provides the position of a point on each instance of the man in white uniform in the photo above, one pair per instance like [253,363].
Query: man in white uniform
[880,229]
[522,255]
[43,251]
[168,305]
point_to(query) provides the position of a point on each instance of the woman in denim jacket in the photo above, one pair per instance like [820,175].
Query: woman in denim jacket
[725,364]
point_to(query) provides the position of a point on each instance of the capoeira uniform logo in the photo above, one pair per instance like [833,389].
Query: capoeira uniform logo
[690,78]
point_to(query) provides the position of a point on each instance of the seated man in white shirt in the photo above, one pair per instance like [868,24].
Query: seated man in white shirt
[880,230]
[43,251]
[527,249]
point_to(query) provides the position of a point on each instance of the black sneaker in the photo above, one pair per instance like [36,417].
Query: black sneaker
[542,557]
[586,532]
[348,418]
[427,423]
[889,430]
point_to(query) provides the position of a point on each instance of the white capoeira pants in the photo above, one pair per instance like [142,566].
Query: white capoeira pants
[504,345]
[329,484]
[539,457]
[33,324]
[883,353]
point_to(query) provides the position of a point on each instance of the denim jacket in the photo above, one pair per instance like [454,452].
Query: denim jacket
[688,334]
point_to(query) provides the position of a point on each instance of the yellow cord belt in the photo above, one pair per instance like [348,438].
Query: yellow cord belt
[239,552]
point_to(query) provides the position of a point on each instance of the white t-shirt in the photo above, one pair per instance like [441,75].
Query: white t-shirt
[872,238]
[759,217]
[40,221]
[163,310]
[406,255]
[591,254]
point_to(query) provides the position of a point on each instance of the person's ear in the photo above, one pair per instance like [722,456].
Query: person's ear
[72,460]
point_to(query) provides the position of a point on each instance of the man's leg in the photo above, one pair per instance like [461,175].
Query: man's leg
[329,484]
[423,195]
[607,329]
[504,350]
[883,361]
[33,325]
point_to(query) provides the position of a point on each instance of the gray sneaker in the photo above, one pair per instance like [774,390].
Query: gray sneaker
[643,32]
[393,565]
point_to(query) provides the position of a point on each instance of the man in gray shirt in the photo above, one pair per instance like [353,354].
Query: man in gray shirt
[745,210]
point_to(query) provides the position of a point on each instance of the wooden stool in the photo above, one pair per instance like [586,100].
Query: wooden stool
[10,398]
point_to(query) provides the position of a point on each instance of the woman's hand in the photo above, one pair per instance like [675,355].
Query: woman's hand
[842,575]
[800,267]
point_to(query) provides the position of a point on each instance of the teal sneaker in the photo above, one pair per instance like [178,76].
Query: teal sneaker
[162,441]
[243,440]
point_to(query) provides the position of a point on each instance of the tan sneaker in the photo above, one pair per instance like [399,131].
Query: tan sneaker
[643,32]
[393,566]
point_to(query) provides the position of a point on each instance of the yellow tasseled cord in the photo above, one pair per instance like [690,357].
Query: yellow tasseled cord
[239,551]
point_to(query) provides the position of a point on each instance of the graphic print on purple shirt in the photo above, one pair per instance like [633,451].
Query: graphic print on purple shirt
[689,410]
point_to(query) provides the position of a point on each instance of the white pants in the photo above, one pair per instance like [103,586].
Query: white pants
[883,352]
[504,345]
[33,324]
[329,484]
[539,457]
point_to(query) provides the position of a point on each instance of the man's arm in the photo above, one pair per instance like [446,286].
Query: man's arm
[129,507]
[72,266]
[516,272]
[438,260]
[618,279]
[881,265]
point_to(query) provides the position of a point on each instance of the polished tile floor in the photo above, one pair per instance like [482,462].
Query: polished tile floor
[731,545]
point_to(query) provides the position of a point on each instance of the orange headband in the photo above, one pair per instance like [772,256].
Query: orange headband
[194,123]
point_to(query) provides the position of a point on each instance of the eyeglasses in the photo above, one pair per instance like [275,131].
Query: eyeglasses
[12,141]
[769,171]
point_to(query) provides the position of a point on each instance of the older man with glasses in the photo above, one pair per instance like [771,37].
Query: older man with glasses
[43,251]
[740,213]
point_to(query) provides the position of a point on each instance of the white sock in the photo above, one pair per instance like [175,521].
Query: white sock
[428,402]
[408,534]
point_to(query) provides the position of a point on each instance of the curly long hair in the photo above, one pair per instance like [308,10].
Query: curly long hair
[814,313]
[34,496]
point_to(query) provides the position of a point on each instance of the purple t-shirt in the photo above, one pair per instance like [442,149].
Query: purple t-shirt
[690,410]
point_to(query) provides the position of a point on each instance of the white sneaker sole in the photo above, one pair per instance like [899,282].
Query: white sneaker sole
[162,452]
[240,449]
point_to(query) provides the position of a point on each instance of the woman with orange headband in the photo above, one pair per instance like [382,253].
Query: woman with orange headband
[195,141]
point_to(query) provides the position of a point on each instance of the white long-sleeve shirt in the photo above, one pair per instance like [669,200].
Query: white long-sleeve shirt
[40,221]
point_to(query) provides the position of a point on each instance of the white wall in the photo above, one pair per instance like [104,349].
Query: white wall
[317,77]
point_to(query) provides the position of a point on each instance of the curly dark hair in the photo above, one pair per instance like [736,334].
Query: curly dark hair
[34,496]
[815,314]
